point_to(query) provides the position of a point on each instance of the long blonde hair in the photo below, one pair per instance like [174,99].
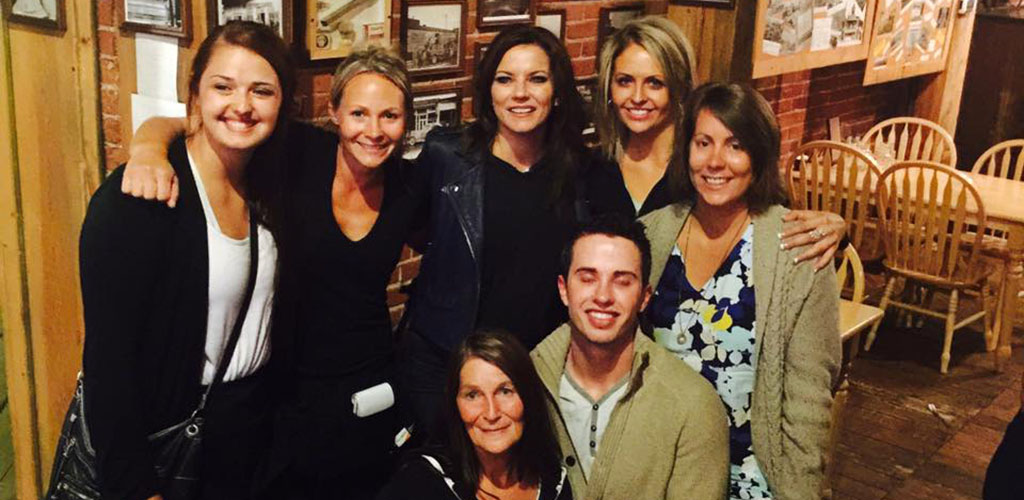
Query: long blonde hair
[667,44]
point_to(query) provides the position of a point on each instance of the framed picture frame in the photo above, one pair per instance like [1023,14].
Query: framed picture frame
[274,13]
[44,14]
[333,27]
[478,53]
[553,20]
[435,108]
[499,13]
[716,4]
[159,17]
[909,38]
[587,87]
[612,18]
[433,37]
[795,35]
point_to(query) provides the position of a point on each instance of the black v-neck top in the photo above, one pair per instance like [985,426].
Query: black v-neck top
[342,320]
[524,233]
[606,191]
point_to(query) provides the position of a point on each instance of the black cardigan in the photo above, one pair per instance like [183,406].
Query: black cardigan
[145,285]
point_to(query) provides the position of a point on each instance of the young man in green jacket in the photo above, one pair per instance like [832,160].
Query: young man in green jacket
[633,421]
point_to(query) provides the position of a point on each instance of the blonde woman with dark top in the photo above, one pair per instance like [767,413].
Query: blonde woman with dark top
[645,74]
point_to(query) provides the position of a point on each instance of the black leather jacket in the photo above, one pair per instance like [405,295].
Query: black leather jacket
[444,302]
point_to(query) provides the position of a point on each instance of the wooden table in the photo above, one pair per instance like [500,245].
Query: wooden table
[1004,205]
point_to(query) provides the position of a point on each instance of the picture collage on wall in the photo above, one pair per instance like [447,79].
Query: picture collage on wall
[910,39]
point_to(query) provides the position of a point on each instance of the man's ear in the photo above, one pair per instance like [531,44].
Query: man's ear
[561,290]
[646,298]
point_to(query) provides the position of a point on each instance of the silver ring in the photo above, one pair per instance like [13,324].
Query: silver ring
[817,234]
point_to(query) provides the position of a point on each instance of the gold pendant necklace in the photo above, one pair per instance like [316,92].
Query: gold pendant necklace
[681,338]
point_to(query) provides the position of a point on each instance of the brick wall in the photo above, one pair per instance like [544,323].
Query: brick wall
[803,101]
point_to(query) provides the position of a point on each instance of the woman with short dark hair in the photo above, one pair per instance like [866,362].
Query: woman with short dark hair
[733,304]
[497,440]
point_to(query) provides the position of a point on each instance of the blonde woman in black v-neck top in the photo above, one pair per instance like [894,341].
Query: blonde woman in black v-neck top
[351,204]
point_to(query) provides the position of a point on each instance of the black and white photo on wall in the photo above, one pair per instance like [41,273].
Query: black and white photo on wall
[46,14]
[433,36]
[586,88]
[159,17]
[440,108]
[274,13]
[478,53]
[493,13]
[613,18]
[334,27]
[553,20]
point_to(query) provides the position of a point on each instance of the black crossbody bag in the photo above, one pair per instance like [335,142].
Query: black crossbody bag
[176,448]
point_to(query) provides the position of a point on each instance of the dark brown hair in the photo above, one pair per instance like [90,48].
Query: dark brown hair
[563,141]
[750,119]
[265,171]
[536,454]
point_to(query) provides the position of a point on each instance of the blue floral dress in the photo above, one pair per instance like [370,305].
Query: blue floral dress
[712,330]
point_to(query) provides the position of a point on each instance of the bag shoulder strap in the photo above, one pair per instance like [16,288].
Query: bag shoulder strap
[236,329]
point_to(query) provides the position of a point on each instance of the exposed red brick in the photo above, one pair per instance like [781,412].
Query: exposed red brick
[109,70]
[321,83]
[584,66]
[581,29]
[108,43]
[105,12]
[798,76]
[109,100]
[112,130]
[575,12]
[589,48]
[574,48]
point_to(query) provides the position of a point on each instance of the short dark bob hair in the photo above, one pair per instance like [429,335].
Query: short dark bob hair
[612,224]
[564,151]
[536,455]
[749,117]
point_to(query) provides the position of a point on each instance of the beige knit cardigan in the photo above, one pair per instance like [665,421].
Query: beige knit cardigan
[798,351]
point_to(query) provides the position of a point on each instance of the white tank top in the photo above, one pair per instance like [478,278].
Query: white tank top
[229,275]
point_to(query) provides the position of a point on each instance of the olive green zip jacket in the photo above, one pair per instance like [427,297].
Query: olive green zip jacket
[667,438]
[797,349]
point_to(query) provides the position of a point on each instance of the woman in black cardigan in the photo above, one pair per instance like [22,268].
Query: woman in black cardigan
[158,305]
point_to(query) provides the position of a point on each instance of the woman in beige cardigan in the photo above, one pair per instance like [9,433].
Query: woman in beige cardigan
[731,302]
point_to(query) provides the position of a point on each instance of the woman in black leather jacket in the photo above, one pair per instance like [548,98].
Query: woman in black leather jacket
[510,175]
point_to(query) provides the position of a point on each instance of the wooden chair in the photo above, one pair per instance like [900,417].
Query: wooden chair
[907,139]
[854,318]
[835,177]
[1005,160]
[931,243]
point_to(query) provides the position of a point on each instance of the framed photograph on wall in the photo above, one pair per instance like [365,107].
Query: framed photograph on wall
[612,18]
[716,4]
[333,27]
[159,17]
[478,53]
[438,108]
[587,87]
[46,14]
[553,20]
[794,35]
[274,13]
[493,13]
[433,36]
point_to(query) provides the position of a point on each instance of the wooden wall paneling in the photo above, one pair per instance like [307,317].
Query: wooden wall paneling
[939,98]
[765,64]
[715,35]
[53,144]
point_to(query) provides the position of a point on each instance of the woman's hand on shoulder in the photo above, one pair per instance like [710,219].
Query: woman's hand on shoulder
[150,176]
[820,232]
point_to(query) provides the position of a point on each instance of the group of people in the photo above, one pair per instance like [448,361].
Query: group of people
[633,322]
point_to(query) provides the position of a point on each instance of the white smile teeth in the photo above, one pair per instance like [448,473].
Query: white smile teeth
[601,315]
[715,180]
